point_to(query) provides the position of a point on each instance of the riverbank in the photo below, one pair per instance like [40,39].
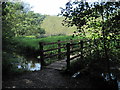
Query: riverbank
[47,78]
[51,78]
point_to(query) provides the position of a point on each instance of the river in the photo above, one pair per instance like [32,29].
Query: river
[30,64]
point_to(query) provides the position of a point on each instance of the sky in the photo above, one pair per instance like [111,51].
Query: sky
[49,7]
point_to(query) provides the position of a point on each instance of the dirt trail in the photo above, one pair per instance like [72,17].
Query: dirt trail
[47,78]
[52,78]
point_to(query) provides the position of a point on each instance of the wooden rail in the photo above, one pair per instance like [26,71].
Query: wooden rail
[44,56]
[80,49]
[69,47]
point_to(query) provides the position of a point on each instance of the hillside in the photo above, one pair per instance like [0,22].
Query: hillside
[53,26]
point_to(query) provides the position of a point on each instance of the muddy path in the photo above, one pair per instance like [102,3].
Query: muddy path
[55,78]
[48,78]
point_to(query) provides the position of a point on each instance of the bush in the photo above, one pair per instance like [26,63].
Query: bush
[9,65]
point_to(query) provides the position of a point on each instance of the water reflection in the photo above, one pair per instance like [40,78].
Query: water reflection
[30,65]
[107,76]
[75,75]
[118,85]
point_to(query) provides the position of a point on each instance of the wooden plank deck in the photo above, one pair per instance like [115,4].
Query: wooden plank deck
[58,65]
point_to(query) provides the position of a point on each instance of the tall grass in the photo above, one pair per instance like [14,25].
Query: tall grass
[30,46]
[34,43]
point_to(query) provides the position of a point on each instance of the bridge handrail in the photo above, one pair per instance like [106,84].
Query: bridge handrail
[68,46]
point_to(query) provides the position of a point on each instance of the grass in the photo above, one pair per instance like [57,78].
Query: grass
[53,26]
[34,43]
[30,46]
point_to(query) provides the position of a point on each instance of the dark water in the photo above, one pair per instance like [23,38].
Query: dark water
[30,64]
[118,85]
[104,75]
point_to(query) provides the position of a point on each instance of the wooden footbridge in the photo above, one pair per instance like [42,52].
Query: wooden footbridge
[71,50]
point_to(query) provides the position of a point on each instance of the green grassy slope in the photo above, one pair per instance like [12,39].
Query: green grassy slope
[53,26]
[30,46]
[34,43]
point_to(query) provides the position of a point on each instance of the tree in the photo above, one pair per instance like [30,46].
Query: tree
[20,21]
[102,19]
[84,13]
[17,21]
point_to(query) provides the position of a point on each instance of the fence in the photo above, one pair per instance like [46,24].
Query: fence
[60,45]
[82,44]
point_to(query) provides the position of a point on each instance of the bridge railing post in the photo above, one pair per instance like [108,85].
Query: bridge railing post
[71,47]
[68,56]
[59,50]
[41,54]
[81,46]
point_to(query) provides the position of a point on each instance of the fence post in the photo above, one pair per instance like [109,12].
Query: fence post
[81,44]
[68,56]
[59,50]
[71,43]
[41,55]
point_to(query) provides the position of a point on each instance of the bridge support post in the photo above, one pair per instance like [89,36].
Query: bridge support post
[81,46]
[71,42]
[68,56]
[59,50]
[41,55]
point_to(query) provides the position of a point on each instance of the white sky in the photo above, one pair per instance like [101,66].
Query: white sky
[49,7]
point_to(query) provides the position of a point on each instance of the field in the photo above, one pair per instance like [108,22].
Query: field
[53,26]
[34,43]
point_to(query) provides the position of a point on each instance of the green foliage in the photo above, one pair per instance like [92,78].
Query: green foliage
[29,47]
[18,22]
[34,43]
[99,20]
[92,17]
[9,64]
